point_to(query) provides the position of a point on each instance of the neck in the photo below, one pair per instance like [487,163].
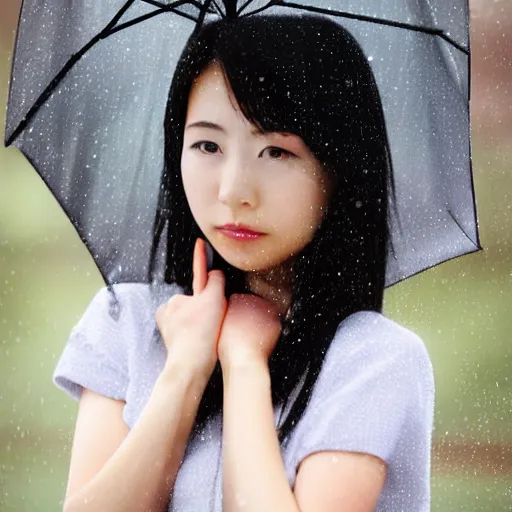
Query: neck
[274,285]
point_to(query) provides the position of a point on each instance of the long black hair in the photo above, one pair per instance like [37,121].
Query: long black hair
[307,76]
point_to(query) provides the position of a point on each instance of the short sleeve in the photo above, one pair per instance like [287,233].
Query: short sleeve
[375,390]
[95,356]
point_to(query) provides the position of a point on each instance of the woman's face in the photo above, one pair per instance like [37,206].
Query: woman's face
[234,175]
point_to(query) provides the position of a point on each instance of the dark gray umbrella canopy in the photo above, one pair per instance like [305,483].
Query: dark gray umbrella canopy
[90,82]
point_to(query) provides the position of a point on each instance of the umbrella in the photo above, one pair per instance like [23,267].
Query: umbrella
[89,87]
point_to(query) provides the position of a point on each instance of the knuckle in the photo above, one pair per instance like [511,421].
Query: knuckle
[174,301]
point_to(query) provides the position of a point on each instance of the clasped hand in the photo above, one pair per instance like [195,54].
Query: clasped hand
[201,328]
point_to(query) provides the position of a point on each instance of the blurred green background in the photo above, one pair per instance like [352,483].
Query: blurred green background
[460,309]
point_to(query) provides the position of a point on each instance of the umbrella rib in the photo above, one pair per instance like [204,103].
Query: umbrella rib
[118,16]
[148,16]
[51,86]
[219,10]
[434,265]
[106,32]
[361,17]
[243,7]
[202,14]
[257,11]
[156,3]
[450,213]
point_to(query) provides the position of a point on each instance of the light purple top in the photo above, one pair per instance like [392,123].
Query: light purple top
[374,394]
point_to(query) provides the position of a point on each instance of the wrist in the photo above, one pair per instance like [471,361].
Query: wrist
[179,373]
[244,365]
[246,373]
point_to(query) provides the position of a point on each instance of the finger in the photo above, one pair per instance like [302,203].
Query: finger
[216,281]
[199,277]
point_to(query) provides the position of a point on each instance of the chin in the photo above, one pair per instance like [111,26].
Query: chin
[243,258]
[249,264]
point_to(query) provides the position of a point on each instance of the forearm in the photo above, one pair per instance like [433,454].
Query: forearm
[141,473]
[254,477]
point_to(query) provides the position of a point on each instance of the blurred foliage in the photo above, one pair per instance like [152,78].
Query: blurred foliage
[460,309]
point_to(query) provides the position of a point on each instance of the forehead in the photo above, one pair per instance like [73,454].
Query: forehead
[210,93]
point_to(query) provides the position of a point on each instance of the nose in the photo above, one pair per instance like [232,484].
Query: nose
[237,185]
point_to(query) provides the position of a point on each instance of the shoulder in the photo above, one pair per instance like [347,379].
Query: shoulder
[369,335]
[374,392]
[372,349]
[106,344]
[124,312]
[126,300]
[140,294]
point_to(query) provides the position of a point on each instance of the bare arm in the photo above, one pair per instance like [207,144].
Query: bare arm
[136,470]
[140,473]
[329,481]
[252,459]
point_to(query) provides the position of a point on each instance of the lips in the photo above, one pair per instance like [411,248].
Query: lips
[241,229]
[239,232]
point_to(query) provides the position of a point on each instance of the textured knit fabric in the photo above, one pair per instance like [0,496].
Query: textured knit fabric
[374,394]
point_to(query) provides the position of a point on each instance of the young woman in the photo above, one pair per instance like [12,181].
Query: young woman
[271,381]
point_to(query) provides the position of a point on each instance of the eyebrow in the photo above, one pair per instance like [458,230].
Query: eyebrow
[206,124]
[214,126]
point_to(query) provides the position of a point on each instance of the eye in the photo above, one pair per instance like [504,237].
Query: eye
[276,153]
[206,146]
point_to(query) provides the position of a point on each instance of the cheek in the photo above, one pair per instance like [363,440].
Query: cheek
[298,213]
[304,202]
[187,177]
[199,186]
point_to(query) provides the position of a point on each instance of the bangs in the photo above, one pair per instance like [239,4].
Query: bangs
[269,97]
[286,77]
